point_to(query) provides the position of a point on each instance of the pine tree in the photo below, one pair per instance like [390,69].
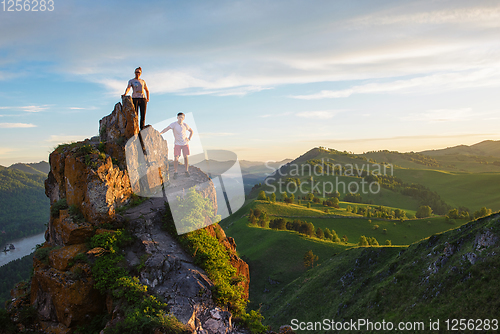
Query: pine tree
[309,259]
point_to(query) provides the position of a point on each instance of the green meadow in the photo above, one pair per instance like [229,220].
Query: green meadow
[472,190]
[276,257]
[354,226]
[282,288]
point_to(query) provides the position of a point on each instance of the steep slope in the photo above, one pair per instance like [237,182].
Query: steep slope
[24,208]
[453,275]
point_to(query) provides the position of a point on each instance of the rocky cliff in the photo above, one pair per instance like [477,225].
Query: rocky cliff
[90,193]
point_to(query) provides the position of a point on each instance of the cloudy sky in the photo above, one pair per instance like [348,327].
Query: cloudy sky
[266,79]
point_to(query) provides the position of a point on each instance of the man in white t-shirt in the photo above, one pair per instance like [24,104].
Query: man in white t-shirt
[181,143]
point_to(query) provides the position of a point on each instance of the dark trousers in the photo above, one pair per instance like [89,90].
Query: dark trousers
[140,103]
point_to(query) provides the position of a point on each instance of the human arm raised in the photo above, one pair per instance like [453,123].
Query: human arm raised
[165,130]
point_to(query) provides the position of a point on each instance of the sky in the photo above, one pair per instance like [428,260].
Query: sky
[267,80]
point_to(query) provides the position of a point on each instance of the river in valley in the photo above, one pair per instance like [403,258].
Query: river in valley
[23,247]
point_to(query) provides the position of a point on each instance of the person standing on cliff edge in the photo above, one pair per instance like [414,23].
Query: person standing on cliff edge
[140,99]
[181,143]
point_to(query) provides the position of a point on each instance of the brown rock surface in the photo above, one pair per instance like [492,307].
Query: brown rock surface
[63,298]
[89,181]
[121,123]
[64,231]
[61,258]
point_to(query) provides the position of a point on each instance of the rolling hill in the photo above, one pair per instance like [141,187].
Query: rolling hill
[41,167]
[484,148]
[435,268]
[453,275]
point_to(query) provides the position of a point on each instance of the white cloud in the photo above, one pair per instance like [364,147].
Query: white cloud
[476,14]
[31,109]
[79,108]
[5,150]
[325,114]
[441,81]
[443,115]
[215,134]
[17,125]
[276,115]
[34,108]
[57,139]
[214,49]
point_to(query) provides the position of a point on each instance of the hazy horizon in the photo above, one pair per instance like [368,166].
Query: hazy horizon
[278,160]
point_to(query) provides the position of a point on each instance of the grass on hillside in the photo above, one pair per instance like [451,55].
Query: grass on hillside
[447,276]
[354,226]
[276,257]
[458,189]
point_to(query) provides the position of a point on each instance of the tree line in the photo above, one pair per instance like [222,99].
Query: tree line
[13,272]
[260,218]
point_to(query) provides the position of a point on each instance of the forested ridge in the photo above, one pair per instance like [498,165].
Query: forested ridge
[13,272]
[24,208]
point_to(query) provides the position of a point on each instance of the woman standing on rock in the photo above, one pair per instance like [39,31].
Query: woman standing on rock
[140,99]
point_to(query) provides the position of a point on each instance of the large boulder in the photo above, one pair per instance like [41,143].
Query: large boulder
[87,179]
[147,162]
[121,123]
[116,128]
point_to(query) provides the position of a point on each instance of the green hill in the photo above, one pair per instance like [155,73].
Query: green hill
[276,256]
[377,282]
[41,167]
[14,272]
[453,275]
[24,208]
[424,180]
[472,190]
[484,148]
[446,162]
[395,283]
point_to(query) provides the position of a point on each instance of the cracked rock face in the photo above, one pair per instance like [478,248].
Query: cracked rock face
[170,272]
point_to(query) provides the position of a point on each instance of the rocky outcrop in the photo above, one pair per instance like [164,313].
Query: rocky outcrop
[65,297]
[87,183]
[87,179]
[63,230]
[170,272]
[147,162]
[116,128]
